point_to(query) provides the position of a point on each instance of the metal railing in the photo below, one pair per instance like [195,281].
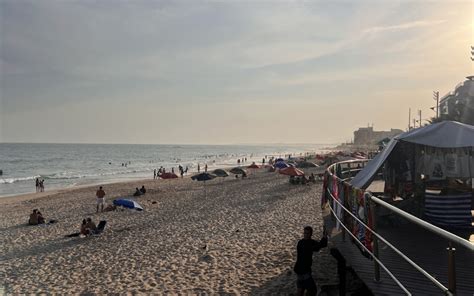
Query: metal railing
[366,249]
[406,258]
[415,220]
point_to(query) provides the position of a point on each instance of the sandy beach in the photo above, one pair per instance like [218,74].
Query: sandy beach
[232,237]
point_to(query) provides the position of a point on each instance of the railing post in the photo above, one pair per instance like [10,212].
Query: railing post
[376,242]
[451,269]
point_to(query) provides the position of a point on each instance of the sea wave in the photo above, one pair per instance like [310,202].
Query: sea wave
[20,179]
[69,175]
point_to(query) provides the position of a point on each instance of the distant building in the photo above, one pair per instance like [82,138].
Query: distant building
[458,104]
[367,135]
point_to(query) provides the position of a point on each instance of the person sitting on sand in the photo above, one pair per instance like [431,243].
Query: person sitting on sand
[143,190]
[244,175]
[312,178]
[40,218]
[137,192]
[90,226]
[84,230]
[33,218]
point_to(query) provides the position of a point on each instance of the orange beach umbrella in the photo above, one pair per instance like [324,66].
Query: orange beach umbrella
[291,171]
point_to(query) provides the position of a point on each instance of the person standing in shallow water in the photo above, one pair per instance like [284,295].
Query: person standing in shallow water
[304,260]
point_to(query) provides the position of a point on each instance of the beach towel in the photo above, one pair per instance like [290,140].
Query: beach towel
[449,210]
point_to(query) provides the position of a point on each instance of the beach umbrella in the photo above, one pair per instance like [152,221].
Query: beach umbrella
[281,165]
[238,171]
[220,173]
[306,164]
[128,203]
[253,166]
[279,159]
[291,171]
[168,176]
[203,177]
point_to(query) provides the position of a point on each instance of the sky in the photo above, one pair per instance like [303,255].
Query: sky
[224,72]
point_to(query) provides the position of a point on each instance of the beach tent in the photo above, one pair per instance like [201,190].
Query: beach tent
[128,203]
[446,134]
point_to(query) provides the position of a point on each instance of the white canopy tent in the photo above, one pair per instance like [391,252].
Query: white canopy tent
[446,134]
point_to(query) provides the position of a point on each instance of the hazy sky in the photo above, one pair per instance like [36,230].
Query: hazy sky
[224,72]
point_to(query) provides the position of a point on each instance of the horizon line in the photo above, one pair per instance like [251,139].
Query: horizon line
[169,144]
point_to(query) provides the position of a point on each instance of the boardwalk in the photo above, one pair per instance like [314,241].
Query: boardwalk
[424,248]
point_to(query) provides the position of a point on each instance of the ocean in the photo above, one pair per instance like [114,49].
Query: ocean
[68,165]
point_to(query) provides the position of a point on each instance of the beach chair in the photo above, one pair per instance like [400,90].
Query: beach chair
[100,227]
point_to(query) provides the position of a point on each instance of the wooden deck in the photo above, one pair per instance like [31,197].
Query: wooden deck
[421,246]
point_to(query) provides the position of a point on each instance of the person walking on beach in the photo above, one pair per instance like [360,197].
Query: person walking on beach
[154,174]
[100,199]
[304,260]
[199,168]
[205,168]
[37,185]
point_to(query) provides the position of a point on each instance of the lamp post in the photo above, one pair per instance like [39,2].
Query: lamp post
[436,98]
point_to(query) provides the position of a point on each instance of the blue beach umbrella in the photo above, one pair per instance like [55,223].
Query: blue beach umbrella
[279,159]
[127,203]
[203,177]
[281,165]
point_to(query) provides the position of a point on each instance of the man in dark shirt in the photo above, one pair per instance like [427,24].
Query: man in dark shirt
[304,260]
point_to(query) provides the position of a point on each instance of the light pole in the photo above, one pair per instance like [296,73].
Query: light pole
[436,98]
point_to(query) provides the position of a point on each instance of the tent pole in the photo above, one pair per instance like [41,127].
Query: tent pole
[375,240]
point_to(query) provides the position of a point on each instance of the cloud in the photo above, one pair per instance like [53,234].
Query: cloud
[231,57]
[404,26]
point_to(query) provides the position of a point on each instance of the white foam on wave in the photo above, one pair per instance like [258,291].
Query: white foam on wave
[14,180]
[69,175]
